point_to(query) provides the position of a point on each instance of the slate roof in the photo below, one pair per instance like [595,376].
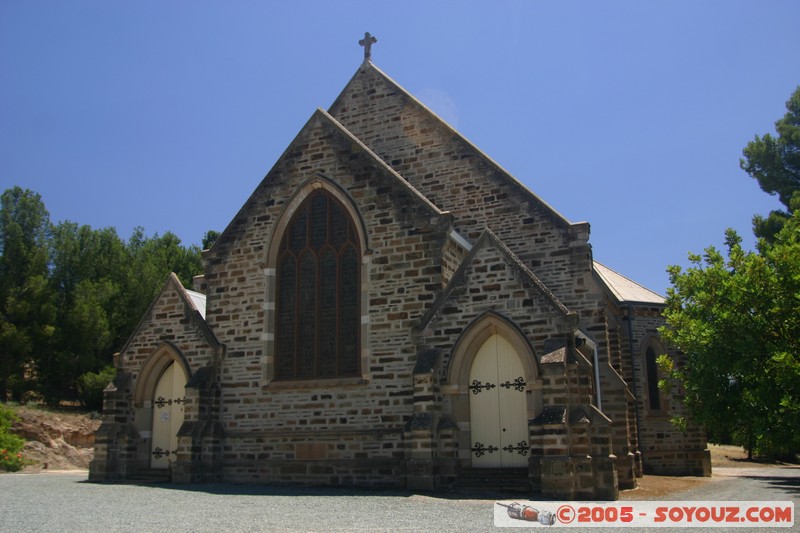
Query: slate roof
[625,290]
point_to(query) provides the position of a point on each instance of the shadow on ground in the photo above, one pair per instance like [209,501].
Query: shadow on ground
[232,489]
[787,484]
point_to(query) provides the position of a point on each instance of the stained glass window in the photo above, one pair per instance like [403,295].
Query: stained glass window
[317,324]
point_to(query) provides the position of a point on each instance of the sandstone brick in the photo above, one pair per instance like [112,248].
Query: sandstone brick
[451,248]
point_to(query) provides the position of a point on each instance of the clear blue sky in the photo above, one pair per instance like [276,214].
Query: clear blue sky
[629,115]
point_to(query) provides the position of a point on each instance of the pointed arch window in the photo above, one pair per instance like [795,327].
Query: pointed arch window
[317,310]
[653,393]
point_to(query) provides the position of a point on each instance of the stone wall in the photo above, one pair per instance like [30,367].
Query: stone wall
[451,247]
[170,320]
[457,177]
[328,431]
[494,290]
[172,331]
[664,448]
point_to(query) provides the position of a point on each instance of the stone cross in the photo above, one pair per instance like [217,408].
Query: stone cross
[367,43]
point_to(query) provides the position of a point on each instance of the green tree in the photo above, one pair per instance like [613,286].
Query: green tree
[737,320]
[88,272]
[151,261]
[775,163]
[91,386]
[71,295]
[209,239]
[104,286]
[26,305]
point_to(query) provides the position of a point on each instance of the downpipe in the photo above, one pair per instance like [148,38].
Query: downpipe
[579,335]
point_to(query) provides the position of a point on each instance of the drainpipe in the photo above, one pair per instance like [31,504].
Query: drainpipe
[633,378]
[593,345]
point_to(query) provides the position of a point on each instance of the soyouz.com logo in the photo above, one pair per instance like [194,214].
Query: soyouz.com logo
[777,514]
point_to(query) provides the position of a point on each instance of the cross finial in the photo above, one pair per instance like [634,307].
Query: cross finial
[367,43]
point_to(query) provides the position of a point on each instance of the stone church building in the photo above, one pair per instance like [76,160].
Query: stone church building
[392,308]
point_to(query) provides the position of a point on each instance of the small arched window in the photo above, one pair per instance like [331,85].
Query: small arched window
[317,277]
[652,379]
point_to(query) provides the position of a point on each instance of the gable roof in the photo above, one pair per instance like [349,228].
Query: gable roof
[381,163]
[625,290]
[369,67]
[324,119]
[489,240]
[194,302]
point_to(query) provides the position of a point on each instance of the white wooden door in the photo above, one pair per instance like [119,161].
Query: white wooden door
[168,402]
[498,407]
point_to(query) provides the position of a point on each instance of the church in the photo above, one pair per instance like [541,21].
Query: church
[391,308]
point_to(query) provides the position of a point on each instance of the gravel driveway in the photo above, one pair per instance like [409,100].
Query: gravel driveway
[66,502]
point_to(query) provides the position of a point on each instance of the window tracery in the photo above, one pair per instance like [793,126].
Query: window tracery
[317,323]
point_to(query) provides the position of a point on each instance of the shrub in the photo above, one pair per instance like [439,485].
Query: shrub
[91,385]
[10,444]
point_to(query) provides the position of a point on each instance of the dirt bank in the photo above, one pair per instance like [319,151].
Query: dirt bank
[56,440]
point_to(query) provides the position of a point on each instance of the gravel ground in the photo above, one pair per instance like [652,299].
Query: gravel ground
[65,502]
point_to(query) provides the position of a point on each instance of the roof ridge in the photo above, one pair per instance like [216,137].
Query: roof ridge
[512,179]
[326,118]
[615,289]
[174,282]
[380,161]
[489,239]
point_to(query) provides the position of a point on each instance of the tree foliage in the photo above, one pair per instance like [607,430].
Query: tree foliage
[737,320]
[91,385]
[775,163]
[209,239]
[27,308]
[736,316]
[70,295]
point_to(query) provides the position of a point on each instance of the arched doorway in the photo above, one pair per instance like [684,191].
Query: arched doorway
[498,406]
[168,402]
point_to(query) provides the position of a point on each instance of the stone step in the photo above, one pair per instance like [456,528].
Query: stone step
[494,480]
[150,475]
